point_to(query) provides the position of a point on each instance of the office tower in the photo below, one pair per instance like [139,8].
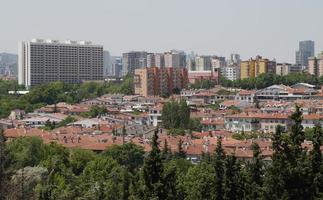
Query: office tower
[283,69]
[254,67]
[175,59]
[133,60]
[159,81]
[116,70]
[306,50]
[203,63]
[234,60]
[107,64]
[191,65]
[315,65]
[43,61]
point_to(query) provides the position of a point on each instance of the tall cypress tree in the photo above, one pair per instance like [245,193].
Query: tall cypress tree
[275,179]
[232,179]
[219,157]
[316,163]
[3,161]
[255,174]
[297,134]
[152,172]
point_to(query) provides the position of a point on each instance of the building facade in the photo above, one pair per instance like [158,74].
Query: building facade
[133,60]
[175,59]
[155,81]
[254,67]
[306,50]
[283,69]
[315,65]
[42,61]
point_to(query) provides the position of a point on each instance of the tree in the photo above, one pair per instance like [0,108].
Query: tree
[316,163]
[232,179]
[128,155]
[199,182]
[219,157]
[3,163]
[255,174]
[152,172]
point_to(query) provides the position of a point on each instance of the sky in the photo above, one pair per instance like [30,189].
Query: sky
[271,28]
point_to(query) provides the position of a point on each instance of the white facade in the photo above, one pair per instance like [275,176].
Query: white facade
[43,61]
[231,73]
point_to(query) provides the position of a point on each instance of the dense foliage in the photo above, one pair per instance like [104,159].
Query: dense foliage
[30,169]
[202,84]
[268,79]
[55,92]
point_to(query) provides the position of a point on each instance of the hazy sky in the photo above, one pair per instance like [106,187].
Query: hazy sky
[271,28]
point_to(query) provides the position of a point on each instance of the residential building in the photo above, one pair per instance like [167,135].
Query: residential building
[155,60]
[230,72]
[43,61]
[286,93]
[306,50]
[283,69]
[151,60]
[133,60]
[315,65]
[254,67]
[296,68]
[175,59]
[159,81]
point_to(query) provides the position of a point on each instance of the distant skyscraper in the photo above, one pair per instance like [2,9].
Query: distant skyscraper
[306,50]
[133,60]
[175,59]
[43,61]
[107,64]
[203,63]
[116,66]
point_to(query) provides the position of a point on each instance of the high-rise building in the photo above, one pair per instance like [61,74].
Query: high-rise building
[175,59]
[254,67]
[203,63]
[306,50]
[43,61]
[283,69]
[107,64]
[116,66]
[155,60]
[133,60]
[159,81]
[315,65]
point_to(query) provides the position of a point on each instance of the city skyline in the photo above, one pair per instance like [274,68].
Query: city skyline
[249,28]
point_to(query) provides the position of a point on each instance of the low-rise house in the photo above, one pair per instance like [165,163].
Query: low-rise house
[155,115]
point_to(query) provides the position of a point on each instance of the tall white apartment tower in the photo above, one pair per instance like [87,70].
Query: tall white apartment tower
[42,61]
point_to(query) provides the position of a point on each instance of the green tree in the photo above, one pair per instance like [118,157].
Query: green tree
[128,155]
[199,182]
[255,174]
[316,163]
[232,179]
[3,163]
[152,172]
[219,157]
